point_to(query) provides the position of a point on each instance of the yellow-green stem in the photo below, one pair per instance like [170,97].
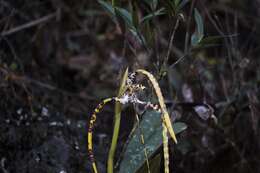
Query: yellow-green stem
[110,162]
[112,150]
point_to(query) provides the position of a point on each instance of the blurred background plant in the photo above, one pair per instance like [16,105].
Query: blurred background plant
[58,58]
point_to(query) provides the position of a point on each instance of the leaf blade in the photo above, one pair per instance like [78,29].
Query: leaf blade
[107,7]
[198,35]
[126,16]
[151,126]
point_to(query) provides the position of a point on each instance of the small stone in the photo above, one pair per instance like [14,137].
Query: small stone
[76,145]
[54,123]
[19,111]
[68,122]
[45,112]
[79,125]
[37,159]
[39,118]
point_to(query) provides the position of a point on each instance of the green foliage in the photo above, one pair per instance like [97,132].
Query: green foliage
[108,8]
[126,17]
[182,4]
[151,126]
[174,6]
[152,3]
[198,35]
[207,42]
[148,17]
[13,66]
[141,27]
[131,19]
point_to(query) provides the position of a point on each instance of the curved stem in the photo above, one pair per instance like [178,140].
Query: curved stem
[165,115]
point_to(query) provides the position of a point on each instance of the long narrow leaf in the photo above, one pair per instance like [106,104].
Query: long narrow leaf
[108,7]
[126,16]
[199,22]
[152,3]
[182,4]
[170,7]
[198,35]
[176,2]
[154,14]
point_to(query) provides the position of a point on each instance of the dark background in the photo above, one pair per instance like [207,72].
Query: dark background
[58,58]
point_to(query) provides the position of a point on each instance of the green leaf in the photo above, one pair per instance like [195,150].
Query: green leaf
[199,22]
[199,33]
[135,16]
[152,3]
[215,39]
[126,16]
[107,7]
[182,4]
[210,41]
[153,14]
[115,2]
[194,39]
[170,7]
[151,126]
[179,127]
[174,6]
[138,36]
[13,66]
[148,34]
[176,2]
[122,87]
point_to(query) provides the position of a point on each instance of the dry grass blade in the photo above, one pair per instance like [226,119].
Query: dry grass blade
[28,25]
[165,149]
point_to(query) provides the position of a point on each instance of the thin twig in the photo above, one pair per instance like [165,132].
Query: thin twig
[226,41]
[28,25]
[14,10]
[12,49]
[171,40]
[176,51]
[178,60]
[26,80]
